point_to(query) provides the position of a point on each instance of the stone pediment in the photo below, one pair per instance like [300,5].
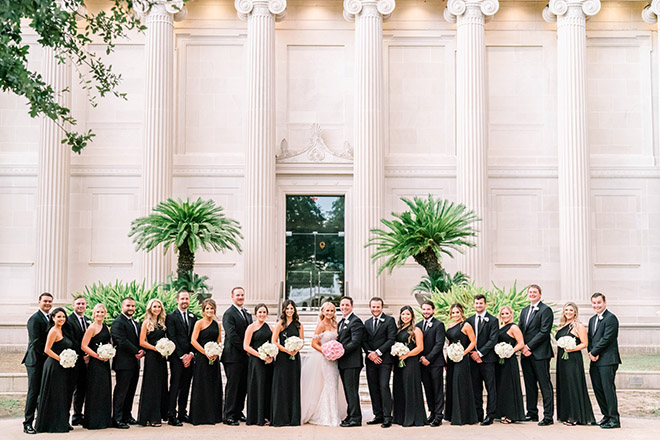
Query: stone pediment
[315,150]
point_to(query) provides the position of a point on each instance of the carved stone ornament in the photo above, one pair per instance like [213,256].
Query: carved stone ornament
[276,7]
[557,8]
[352,8]
[315,151]
[456,8]
[174,7]
[651,12]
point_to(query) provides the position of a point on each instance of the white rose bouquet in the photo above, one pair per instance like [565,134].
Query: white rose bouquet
[106,351]
[567,343]
[293,343]
[165,347]
[504,350]
[400,349]
[267,350]
[455,352]
[211,349]
[68,358]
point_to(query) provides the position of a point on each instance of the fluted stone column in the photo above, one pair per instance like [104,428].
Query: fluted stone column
[471,139]
[573,147]
[650,15]
[53,188]
[261,15]
[368,151]
[159,18]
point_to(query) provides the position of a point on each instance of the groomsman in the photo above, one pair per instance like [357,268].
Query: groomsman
[350,335]
[75,327]
[179,325]
[536,324]
[483,359]
[126,363]
[235,360]
[605,359]
[37,327]
[379,338]
[432,362]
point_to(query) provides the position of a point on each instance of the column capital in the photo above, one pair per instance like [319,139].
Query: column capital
[355,8]
[651,12]
[559,8]
[276,8]
[173,8]
[457,8]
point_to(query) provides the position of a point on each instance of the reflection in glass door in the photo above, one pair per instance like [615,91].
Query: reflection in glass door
[314,249]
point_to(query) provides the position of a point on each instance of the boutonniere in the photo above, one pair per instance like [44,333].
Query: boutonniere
[190,315]
[381,319]
[486,318]
[430,324]
[535,308]
[600,317]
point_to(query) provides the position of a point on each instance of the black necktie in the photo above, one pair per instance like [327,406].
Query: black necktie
[184,316]
[244,313]
[137,333]
[481,321]
[376,324]
[426,326]
[82,323]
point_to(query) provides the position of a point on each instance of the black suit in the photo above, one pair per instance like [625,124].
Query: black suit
[536,324]
[75,331]
[351,334]
[484,372]
[125,333]
[34,359]
[603,343]
[179,332]
[432,374]
[379,337]
[235,361]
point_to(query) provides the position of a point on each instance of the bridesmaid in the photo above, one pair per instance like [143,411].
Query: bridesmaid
[206,397]
[285,409]
[53,410]
[98,402]
[260,372]
[509,392]
[153,394]
[460,408]
[573,404]
[408,403]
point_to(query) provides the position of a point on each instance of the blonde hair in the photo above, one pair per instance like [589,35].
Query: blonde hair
[322,316]
[499,315]
[97,307]
[562,319]
[150,320]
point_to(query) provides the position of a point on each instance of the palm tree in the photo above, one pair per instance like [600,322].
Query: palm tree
[428,230]
[188,226]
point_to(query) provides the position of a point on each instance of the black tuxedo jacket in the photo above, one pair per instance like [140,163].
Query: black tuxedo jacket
[37,327]
[486,336]
[74,331]
[351,334]
[127,342]
[234,324]
[537,331]
[382,339]
[603,342]
[178,333]
[434,343]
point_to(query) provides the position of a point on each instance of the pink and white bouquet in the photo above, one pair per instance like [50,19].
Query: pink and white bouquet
[332,350]
[293,343]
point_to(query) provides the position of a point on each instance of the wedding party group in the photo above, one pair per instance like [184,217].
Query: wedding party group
[69,361]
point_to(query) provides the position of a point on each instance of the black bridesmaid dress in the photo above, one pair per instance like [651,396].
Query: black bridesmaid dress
[153,394]
[285,407]
[459,408]
[54,404]
[573,402]
[206,397]
[98,401]
[509,391]
[260,377]
[407,399]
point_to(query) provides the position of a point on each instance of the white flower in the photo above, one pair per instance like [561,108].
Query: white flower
[567,343]
[430,324]
[68,358]
[600,317]
[486,318]
[165,347]
[399,349]
[211,349]
[504,350]
[535,308]
[455,352]
[293,343]
[267,350]
[106,351]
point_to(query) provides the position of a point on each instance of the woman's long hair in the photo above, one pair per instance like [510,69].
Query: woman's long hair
[152,321]
[499,315]
[562,319]
[460,309]
[51,316]
[295,320]
[334,317]
[411,325]
[209,302]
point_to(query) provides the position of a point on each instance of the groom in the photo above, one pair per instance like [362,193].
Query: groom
[350,335]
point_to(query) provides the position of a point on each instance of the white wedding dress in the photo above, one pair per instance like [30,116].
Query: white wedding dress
[323,401]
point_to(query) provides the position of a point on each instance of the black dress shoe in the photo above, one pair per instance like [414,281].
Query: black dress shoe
[436,422]
[601,421]
[131,421]
[610,425]
[487,421]
[531,419]
[173,421]
[28,429]
[350,424]
[76,422]
[430,419]
[387,422]
[546,422]
[376,421]
[231,422]
[184,419]
[120,425]
[70,428]
[242,418]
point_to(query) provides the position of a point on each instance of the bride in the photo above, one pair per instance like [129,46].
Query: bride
[323,401]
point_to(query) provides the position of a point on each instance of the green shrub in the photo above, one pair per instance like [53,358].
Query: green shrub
[112,295]
[190,282]
[440,281]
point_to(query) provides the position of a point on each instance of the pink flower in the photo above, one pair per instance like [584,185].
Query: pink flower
[332,350]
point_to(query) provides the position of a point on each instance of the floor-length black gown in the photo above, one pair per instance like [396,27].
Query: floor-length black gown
[509,391]
[407,399]
[260,377]
[285,406]
[53,409]
[98,400]
[153,394]
[573,402]
[459,408]
[206,397]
